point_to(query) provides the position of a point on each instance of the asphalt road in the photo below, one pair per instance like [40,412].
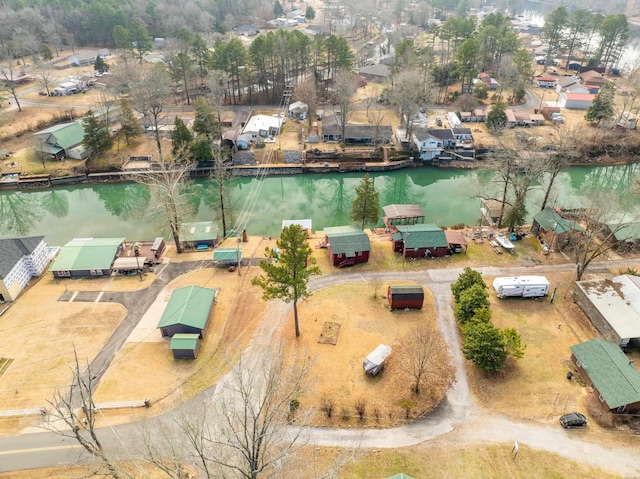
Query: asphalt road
[456,419]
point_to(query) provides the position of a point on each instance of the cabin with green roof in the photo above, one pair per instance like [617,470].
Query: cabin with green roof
[185,345]
[609,373]
[420,241]
[553,230]
[188,311]
[87,257]
[62,141]
[199,234]
[347,245]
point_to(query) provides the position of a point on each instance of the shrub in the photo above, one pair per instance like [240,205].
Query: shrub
[360,407]
[344,414]
[327,406]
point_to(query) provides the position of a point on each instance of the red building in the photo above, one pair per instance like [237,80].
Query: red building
[403,297]
[347,245]
[420,241]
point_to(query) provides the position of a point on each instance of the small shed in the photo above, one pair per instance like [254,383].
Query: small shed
[420,241]
[405,297]
[158,246]
[199,234]
[188,311]
[374,362]
[185,345]
[347,245]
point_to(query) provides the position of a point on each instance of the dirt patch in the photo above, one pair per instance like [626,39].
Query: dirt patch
[329,334]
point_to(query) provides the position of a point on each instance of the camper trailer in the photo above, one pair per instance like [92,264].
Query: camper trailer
[521,286]
[374,362]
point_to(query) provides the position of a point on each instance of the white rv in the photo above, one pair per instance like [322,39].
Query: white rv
[521,286]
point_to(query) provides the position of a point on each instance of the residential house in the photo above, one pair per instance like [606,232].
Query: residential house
[420,241]
[395,215]
[480,115]
[462,134]
[553,230]
[83,59]
[431,142]
[87,257]
[247,30]
[347,245]
[487,79]
[13,76]
[576,88]
[563,83]
[263,126]
[200,235]
[355,134]
[21,259]
[592,77]
[298,109]
[375,73]
[608,374]
[188,311]
[545,82]
[613,306]
[577,101]
[512,121]
[62,141]
[465,116]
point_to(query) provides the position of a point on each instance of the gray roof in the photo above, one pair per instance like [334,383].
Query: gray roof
[461,130]
[438,133]
[378,70]
[566,81]
[13,249]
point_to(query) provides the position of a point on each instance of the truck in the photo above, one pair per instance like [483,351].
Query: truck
[521,286]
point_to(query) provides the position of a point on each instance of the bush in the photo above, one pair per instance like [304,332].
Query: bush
[360,407]
[344,414]
[327,406]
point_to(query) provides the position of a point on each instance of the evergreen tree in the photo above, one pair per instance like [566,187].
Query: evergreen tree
[96,136]
[467,278]
[497,118]
[201,149]
[602,107]
[130,126]
[310,13]
[366,206]
[288,269]
[484,344]
[278,11]
[471,300]
[181,139]
[100,65]
[205,122]
[46,52]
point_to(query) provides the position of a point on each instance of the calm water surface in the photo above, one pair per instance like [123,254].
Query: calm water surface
[121,209]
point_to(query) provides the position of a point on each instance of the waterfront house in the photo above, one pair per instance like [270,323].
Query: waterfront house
[545,82]
[420,241]
[431,142]
[87,257]
[552,229]
[61,141]
[577,101]
[21,259]
[199,234]
[347,245]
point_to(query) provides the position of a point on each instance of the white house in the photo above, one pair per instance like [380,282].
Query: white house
[462,133]
[563,83]
[21,259]
[298,109]
[546,82]
[263,126]
[431,142]
[577,101]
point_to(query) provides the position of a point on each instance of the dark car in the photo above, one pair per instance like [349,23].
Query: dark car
[439,121]
[574,419]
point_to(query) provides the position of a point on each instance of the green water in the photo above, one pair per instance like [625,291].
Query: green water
[122,209]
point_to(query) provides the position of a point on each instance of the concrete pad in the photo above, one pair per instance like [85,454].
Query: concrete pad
[146,331]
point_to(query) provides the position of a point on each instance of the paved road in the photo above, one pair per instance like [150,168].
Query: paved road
[456,419]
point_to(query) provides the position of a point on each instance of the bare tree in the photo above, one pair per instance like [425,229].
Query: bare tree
[46,78]
[306,92]
[425,357]
[567,138]
[408,92]
[73,415]
[150,90]
[170,199]
[344,86]
[251,408]
[8,75]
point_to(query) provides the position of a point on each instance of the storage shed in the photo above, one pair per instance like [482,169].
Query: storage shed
[405,297]
[420,241]
[199,234]
[188,311]
[185,345]
[347,245]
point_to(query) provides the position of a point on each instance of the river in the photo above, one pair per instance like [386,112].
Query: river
[447,196]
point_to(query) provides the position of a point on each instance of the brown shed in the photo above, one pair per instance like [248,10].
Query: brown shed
[405,297]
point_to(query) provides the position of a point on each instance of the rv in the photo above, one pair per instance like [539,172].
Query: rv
[521,286]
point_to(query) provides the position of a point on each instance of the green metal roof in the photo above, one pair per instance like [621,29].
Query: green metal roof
[549,219]
[189,306]
[184,341]
[199,231]
[628,232]
[610,371]
[87,253]
[47,148]
[65,135]
[347,240]
[421,236]
[227,254]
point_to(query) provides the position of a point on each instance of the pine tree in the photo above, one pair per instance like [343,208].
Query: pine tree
[205,122]
[100,65]
[96,136]
[278,11]
[602,107]
[130,126]
[497,118]
[366,206]
[485,345]
[181,138]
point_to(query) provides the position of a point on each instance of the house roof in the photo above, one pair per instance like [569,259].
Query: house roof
[403,211]
[546,79]
[566,81]
[199,231]
[81,254]
[592,76]
[189,306]
[455,237]
[461,130]
[610,371]
[550,219]
[580,96]
[421,236]
[65,135]
[438,133]
[298,105]
[347,240]
[378,70]
[184,341]
[13,249]
[262,122]
[617,300]
[628,232]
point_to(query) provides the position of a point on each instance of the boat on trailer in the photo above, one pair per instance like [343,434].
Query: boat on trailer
[504,242]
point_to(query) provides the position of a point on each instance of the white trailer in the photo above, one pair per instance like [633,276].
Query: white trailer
[521,286]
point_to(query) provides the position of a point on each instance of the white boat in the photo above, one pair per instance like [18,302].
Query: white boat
[504,242]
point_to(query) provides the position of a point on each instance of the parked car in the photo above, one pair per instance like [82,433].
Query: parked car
[439,121]
[43,92]
[574,419]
